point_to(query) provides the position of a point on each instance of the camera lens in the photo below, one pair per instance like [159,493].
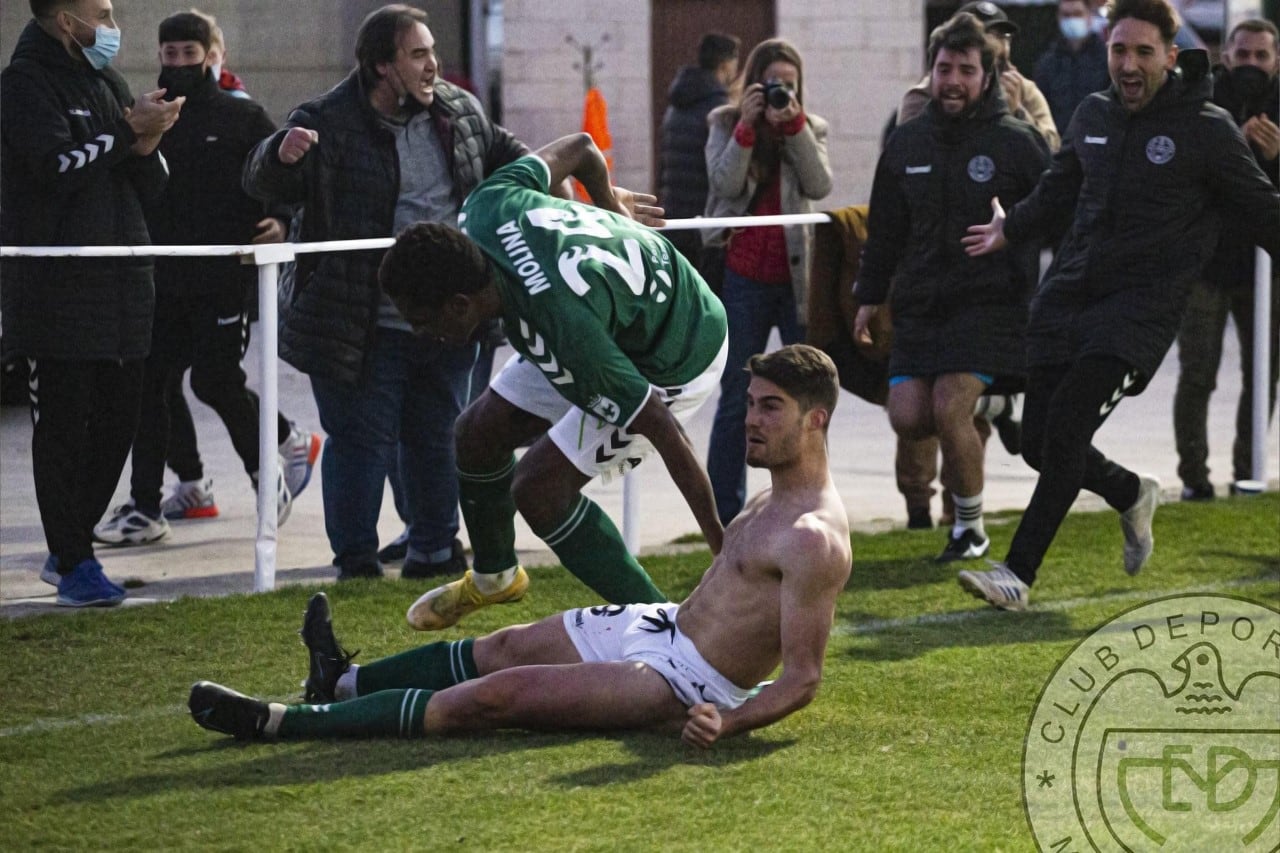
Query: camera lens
[777,96]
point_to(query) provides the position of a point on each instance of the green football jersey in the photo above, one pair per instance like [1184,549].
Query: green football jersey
[602,304]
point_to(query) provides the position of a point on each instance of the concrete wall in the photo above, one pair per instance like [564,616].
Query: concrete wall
[860,56]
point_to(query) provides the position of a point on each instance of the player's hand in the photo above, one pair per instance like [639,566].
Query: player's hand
[642,207]
[985,239]
[269,230]
[703,725]
[1264,135]
[295,145]
[149,117]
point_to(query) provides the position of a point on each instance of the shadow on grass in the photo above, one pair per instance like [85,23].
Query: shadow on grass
[656,753]
[894,640]
[227,764]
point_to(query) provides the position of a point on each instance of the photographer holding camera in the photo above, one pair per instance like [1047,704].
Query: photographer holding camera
[765,156]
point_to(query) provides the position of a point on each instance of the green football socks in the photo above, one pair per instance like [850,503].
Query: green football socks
[589,545]
[434,666]
[388,713]
[490,513]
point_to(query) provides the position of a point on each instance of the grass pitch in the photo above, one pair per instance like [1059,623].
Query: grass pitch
[914,742]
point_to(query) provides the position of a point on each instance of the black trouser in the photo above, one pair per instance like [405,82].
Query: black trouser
[1065,405]
[84,414]
[210,335]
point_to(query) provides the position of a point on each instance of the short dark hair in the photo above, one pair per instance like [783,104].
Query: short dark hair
[47,8]
[186,26]
[430,262]
[716,48]
[806,373]
[379,37]
[1256,25]
[961,33]
[1158,13]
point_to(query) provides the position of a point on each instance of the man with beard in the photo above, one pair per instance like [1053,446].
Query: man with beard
[1147,168]
[957,321]
[1245,86]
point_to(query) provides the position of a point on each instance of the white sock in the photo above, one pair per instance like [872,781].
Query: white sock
[968,515]
[346,687]
[491,584]
[990,406]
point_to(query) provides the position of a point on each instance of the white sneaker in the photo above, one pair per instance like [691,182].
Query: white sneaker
[1135,521]
[999,587]
[298,454]
[284,497]
[128,526]
[190,499]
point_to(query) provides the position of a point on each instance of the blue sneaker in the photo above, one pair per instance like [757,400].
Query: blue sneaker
[87,586]
[49,574]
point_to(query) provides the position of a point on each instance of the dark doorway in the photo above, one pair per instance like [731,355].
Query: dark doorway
[678,26]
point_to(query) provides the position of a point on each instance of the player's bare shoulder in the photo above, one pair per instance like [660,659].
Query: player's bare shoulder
[809,533]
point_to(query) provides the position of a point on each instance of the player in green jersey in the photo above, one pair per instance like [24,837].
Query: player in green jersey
[618,340]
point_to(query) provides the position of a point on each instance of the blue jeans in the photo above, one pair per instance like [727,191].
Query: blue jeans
[402,413]
[753,309]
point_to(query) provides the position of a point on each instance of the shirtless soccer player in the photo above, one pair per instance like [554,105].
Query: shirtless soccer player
[768,599]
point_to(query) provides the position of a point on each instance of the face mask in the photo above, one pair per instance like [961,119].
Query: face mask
[181,80]
[1249,83]
[106,44]
[1073,29]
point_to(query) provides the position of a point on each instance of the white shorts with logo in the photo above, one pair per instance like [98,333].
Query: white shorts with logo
[597,448]
[647,633]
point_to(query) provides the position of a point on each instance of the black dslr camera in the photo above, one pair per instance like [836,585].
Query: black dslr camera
[777,94]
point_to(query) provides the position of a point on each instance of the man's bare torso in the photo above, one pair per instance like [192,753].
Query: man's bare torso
[733,615]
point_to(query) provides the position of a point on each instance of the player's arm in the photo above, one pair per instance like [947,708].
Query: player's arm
[578,157]
[655,422]
[814,568]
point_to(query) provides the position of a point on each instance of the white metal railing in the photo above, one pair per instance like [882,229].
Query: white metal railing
[268,257]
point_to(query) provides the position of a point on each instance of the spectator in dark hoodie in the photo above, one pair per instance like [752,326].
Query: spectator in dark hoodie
[695,92]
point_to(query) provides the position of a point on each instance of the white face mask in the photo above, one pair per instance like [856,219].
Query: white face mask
[106,44]
[1073,29]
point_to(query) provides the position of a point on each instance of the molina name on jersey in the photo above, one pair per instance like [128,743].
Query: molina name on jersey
[602,304]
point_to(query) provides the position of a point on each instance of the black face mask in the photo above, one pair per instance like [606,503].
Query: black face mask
[1249,84]
[181,80]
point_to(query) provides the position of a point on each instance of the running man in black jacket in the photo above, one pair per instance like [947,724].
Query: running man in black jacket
[958,322]
[1147,167]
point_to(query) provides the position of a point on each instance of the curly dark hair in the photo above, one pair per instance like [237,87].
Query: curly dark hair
[806,373]
[430,262]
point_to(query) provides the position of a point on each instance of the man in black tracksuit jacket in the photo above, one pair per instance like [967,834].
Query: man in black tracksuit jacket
[1148,167]
[958,322]
[75,170]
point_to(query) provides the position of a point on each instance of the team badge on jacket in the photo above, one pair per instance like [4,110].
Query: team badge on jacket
[982,169]
[1160,150]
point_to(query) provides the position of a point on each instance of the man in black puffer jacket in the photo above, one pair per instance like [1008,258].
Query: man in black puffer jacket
[77,169]
[696,91]
[390,145]
[1147,168]
[958,322]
